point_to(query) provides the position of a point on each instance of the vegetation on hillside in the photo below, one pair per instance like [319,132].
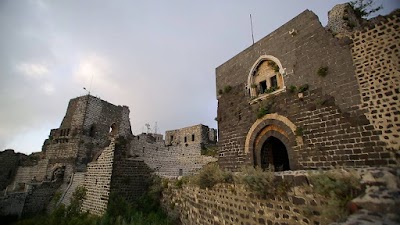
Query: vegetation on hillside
[146,211]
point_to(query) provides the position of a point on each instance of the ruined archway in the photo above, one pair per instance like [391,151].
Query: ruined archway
[278,132]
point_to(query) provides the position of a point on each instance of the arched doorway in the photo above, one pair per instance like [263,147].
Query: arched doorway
[274,155]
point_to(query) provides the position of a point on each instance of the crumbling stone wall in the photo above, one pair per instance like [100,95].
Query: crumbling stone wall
[376,56]
[130,176]
[39,196]
[97,181]
[189,135]
[230,204]
[9,161]
[175,157]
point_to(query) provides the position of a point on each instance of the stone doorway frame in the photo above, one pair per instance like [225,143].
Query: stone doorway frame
[276,126]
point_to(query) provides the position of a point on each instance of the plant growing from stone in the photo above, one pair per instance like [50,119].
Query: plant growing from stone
[338,187]
[227,89]
[322,71]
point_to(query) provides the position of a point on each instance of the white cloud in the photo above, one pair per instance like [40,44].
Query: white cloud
[33,70]
[48,88]
[95,72]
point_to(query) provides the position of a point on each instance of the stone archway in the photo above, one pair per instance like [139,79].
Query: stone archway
[273,155]
[279,131]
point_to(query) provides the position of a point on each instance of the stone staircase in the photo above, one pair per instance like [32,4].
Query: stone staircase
[76,180]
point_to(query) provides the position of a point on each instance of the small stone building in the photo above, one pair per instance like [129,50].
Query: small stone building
[307,97]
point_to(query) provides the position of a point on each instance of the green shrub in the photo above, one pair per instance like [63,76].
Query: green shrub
[303,88]
[227,89]
[274,66]
[338,187]
[220,91]
[322,71]
[209,151]
[292,89]
[262,111]
[299,131]
[209,176]
[256,180]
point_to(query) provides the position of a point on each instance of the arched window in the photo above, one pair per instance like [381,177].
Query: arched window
[266,77]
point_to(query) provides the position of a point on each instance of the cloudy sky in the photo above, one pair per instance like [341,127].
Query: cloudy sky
[157,57]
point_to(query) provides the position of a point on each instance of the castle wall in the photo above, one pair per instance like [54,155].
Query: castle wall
[38,197]
[130,177]
[233,204]
[9,161]
[97,181]
[175,157]
[376,56]
[25,174]
[334,128]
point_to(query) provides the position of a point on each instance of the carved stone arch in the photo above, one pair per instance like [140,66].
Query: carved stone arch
[261,59]
[272,125]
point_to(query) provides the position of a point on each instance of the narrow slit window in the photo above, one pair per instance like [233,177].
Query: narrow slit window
[192,137]
[274,82]
[263,87]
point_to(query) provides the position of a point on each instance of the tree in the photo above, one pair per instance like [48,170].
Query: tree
[363,8]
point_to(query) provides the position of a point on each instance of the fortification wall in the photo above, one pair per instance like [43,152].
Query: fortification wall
[97,181]
[38,197]
[193,134]
[376,56]
[177,159]
[130,177]
[26,174]
[13,204]
[9,161]
[233,204]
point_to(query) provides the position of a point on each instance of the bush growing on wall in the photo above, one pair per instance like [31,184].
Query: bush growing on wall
[338,187]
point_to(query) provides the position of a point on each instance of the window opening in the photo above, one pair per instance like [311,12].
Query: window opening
[263,86]
[192,137]
[274,82]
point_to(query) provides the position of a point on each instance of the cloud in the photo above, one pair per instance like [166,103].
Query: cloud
[95,72]
[32,70]
[48,88]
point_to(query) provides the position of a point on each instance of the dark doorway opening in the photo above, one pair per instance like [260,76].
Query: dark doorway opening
[274,155]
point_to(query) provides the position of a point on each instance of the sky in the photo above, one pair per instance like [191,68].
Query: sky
[156,57]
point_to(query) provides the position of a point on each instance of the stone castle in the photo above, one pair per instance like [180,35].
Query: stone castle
[303,97]
[94,147]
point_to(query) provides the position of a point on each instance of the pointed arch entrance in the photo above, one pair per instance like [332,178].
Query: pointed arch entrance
[274,155]
[270,142]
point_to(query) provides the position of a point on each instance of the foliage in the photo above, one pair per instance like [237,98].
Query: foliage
[227,89]
[220,91]
[364,8]
[256,180]
[209,176]
[303,88]
[292,89]
[322,71]
[274,66]
[271,89]
[338,187]
[119,212]
[299,131]
[262,111]
[209,151]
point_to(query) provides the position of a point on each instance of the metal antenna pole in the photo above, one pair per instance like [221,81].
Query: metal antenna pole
[91,80]
[251,24]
